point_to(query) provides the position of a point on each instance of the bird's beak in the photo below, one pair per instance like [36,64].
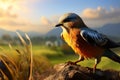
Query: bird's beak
[58,25]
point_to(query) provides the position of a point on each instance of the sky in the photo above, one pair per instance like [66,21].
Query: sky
[42,15]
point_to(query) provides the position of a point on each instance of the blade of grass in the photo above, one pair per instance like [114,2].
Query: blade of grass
[31,58]
[22,40]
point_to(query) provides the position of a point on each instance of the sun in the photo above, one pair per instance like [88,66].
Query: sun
[6,5]
[3,5]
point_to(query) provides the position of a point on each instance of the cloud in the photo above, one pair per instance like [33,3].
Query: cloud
[7,14]
[100,12]
[12,18]
[88,13]
[44,21]
[24,25]
[101,16]
[47,24]
[11,8]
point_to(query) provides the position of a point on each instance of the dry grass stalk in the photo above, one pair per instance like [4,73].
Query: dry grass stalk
[22,70]
[29,51]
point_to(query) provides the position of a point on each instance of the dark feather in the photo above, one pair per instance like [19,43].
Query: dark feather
[97,39]
[110,54]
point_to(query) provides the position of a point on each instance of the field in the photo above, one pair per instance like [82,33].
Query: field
[44,57]
[55,56]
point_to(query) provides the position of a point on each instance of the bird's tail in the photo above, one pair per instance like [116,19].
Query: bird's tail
[110,54]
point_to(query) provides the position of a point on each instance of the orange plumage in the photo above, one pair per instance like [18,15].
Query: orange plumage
[80,46]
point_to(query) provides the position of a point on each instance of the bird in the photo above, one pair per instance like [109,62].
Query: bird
[86,42]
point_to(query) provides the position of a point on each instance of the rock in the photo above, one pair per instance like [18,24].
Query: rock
[77,72]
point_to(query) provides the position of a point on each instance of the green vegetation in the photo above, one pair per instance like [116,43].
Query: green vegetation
[54,55]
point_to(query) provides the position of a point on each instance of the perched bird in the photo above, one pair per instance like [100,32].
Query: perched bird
[86,42]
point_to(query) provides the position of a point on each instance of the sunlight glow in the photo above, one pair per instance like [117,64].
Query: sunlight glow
[8,5]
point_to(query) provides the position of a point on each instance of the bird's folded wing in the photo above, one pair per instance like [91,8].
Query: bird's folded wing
[93,37]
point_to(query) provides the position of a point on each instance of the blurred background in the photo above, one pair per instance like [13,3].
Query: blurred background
[37,18]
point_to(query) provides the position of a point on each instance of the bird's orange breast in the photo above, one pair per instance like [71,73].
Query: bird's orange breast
[80,46]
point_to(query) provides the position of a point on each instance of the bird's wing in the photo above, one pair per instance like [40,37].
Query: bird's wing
[93,37]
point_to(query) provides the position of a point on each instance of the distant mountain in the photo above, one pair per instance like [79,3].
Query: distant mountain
[54,32]
[31,33]
[2,32]
[110,30]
